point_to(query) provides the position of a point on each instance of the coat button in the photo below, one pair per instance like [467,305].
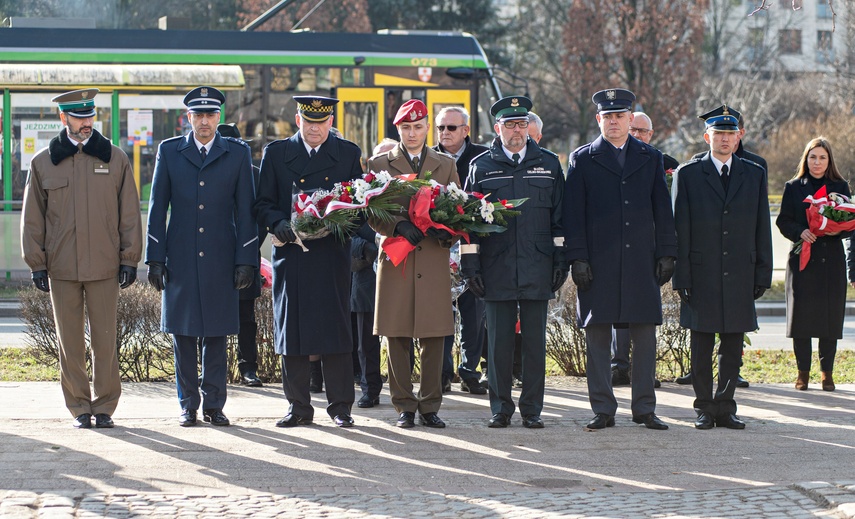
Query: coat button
[419,247]
[419,276]
[201,182]
[627,245]
[201,229]
[626,202]
[623,182]
[326,178]
[302,180]
[201,206]
[725,273]
[201,254]
[627,224]
[724,253]
[725,211]
[725,233]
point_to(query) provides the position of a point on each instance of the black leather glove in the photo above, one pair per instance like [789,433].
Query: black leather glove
[127,276]
[244,275]
[759,291]
[157,275]
[582,275]
[439,234]
[664,269]
[40,279]
[559,276]
[410,232]
[283,232]
[685,294]
[475,284]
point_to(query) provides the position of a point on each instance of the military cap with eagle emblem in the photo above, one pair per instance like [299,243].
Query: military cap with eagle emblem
[613,100]
[77,103]
[412,110]
[315,109]
[721,119]
[511,107]
[204,99]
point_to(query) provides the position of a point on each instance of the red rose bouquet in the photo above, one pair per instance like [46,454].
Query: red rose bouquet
[829,213]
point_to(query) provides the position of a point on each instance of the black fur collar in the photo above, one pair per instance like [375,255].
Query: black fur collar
[60,147]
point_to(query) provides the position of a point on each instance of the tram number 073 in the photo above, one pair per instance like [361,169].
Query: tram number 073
[423,62]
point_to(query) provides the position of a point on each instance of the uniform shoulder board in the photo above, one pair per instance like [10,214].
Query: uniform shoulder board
[235,140]
[346,142]
[751,163]
[693,160]
[549,152]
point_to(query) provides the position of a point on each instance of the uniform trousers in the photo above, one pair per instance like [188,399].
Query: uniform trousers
[338,377]
[368,351]
[212,383]
[247,347]
[429,397]
[620,349]
[721,404]
[600,392]
[501,334]
[100,298]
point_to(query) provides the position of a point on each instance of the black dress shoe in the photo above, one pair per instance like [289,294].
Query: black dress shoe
[406,420]
[600,421]
[499,421]
[730,421]
[741,382]
[215,417]
[292,420]
[83,421]
[187,418]
[431,420]
[367,401]
[532,422]
[250,379]
[620,377]
[103,421]
[343,420]
[651,421]
[657,383]
[705,421]
[472,387]
[684,380]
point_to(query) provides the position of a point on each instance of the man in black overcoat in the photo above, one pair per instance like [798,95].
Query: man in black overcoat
[620,237]
[724,262]
[311,289]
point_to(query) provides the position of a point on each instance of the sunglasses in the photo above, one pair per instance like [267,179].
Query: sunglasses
[450,127]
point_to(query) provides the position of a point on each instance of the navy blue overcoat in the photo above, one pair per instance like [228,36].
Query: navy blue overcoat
[620,221]
[210,230]
[311,290]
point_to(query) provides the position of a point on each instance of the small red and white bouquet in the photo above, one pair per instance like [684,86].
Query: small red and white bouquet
[829,213]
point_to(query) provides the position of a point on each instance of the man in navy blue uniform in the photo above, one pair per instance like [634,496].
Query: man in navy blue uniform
[207,252]
[724,245]
[620,238]
[517,271]
[311,289]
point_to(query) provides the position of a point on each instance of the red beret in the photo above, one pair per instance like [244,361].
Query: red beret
[412,110]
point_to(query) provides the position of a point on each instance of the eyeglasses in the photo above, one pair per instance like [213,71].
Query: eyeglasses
[642,131]
[450,127]
[519,124]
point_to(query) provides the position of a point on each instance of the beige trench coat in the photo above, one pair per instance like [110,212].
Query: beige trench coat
[414,298]
[81,218]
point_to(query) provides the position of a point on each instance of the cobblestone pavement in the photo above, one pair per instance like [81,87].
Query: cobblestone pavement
[796,458]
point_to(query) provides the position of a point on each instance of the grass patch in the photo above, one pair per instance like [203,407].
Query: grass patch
[777,366]
[777,292]
[16,365]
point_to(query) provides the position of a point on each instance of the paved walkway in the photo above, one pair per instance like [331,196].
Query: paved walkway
[796,458]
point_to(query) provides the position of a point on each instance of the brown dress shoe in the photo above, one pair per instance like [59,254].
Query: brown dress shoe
[802,380]
[827,381]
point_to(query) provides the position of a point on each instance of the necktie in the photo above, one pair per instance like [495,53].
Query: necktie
[313,153]
[204,152]
[725,177]
[415,164]
[79,147]
[516,158]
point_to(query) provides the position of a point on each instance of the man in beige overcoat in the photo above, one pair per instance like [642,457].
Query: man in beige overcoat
[413,300]
[81,235]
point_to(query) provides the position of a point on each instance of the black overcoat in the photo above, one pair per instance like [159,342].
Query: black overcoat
[210,229]
[724,244]
[621,222]
[816,296]
[311,290]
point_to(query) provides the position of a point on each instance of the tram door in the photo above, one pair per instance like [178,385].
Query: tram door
[438,99]
[359,116]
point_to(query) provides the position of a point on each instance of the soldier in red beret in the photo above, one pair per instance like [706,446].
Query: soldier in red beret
[414,298]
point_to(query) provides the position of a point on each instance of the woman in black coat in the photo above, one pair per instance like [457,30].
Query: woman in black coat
[816,296]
